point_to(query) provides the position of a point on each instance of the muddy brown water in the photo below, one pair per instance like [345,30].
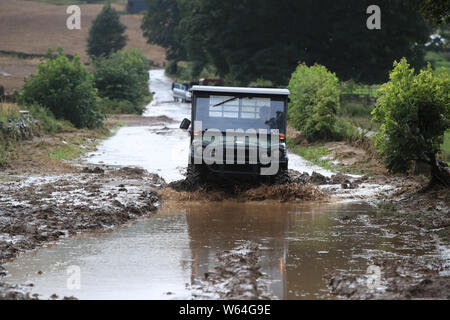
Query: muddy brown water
[163,256]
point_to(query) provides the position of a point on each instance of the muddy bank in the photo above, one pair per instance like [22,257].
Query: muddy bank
[38,210]
[412,213]
[401,280]
[237,276]
[132,120]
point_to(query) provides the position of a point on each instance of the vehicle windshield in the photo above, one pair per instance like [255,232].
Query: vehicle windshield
[229,112]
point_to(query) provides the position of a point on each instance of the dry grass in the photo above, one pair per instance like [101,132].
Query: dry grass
[8,110]
[33,27]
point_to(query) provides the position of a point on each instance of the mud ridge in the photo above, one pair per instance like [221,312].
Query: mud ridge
[236,277]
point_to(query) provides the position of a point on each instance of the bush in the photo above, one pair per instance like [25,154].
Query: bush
[314,101]
[47,120]
[109,106]
[2,92]
[123,77]
[106,34]
[66,89]
[355,109]
[413,112]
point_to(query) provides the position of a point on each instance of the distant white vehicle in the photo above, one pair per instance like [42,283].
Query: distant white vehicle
[181,92]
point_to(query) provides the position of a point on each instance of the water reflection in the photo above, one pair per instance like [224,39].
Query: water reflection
[160,257]
[300,242]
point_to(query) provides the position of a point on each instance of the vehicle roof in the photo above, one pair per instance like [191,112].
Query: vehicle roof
[269,91]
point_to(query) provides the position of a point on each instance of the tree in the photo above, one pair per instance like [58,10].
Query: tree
[106,34]
[247,40]
[158,26]
[436,11]
[66,88]
[314,101]
[123,76]
[414,113]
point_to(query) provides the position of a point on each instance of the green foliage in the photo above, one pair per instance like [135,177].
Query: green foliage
[158,26]
[439,60]
[188,71]
[66,152]
[351,87]
[266,39]
[110,106]
[346,129]
[446,147]
[123,77]
[314,101]
[8,111]
[2,91]
[47,120]
[413,112]
[355,109]
[436,11]
[106,34]
[6,148]
[261,83]
[65,88]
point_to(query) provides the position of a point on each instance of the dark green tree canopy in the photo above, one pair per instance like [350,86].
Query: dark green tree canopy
[106,34]
[436,11]
[158,25]
[251,39]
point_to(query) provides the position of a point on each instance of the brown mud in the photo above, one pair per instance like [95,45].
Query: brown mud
[413,212]
[237,276]
[35,211]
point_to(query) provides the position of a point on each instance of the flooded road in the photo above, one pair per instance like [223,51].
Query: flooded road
[163,149]
[164,256]
[167,255]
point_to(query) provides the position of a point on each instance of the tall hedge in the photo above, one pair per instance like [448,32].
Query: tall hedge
[314,101]
[413,111]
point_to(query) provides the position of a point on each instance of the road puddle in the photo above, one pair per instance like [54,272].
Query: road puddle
[163,256]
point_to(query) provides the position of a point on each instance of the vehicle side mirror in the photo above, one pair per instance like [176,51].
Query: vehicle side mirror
[185,124]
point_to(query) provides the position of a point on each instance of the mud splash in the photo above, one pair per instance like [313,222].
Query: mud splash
[288,192]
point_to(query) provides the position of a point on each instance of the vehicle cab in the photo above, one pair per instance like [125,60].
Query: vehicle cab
[235,129]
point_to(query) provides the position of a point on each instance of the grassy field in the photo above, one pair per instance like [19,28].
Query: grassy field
[56,140]
[34,26]
[438,60]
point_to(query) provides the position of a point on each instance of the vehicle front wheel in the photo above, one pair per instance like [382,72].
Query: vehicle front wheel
[282,177]
[194,176]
